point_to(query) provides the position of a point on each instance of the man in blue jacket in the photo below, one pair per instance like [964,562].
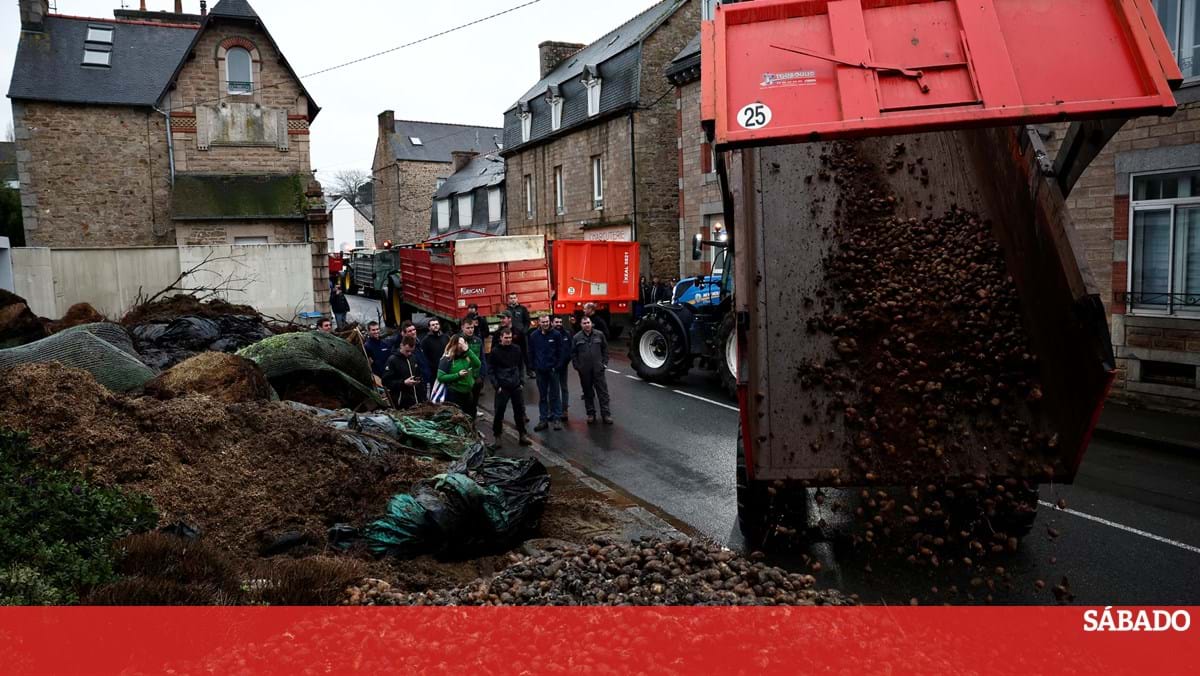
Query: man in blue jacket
[545,355]
[378,349]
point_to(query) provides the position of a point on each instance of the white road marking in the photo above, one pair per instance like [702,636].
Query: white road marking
[659,386]
[1128,529]
[612,371]
[632,377]
[708,401]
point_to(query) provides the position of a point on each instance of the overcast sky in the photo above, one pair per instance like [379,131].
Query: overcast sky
[469,77]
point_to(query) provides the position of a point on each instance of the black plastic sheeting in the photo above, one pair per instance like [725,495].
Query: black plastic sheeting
[483,503]
[163,345]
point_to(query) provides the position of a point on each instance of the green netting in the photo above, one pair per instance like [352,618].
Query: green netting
[447,432]
[111,333]
[314,354]
[82,348]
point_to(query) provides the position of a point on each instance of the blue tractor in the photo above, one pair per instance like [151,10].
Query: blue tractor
[698,325]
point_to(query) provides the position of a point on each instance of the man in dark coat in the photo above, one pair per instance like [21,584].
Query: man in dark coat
[402,375]
[340,306]
[434,343]
[589,355]
[379,349]
[545,355]
[564,365]
[506,370]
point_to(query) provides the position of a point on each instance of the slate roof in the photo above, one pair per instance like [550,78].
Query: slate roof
[234,8]
[265,196]
[617,56]
[146,59]
[685,67]
[8,161]
[144,56]
[483,171]
[439,139]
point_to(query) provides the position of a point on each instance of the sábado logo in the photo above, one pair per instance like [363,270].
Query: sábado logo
[1123,619]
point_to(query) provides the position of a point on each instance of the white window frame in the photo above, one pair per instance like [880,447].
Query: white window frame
[598,182]
[99,34]
[1157,205]
[100,58]
[560,200]
[443,214]
[556,106]
[526,126]
[529,203]
[495,206]
[466,210]
[593,96]
[1183,8]
[229,80]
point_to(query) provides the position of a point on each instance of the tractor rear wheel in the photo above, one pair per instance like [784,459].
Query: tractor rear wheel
[657,350]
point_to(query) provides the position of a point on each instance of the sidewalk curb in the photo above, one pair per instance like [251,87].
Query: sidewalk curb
[1173,445]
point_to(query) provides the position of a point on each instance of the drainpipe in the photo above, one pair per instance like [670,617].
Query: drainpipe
[170,143]
[633,233]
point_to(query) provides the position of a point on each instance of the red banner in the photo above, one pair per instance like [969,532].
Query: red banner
[1060,640]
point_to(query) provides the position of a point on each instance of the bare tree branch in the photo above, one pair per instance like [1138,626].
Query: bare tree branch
[347,182]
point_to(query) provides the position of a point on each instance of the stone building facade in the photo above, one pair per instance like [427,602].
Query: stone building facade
[163,128]
[590,150]
[1133,210]
[1137,212]
[700,209]
[411,158]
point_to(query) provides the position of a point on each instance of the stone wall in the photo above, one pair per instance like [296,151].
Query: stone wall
[651,207]
[92,176]
[404,198]
[1100,208]
[203,80]
[700,196]
[218,233]
[655,141]
[608,140]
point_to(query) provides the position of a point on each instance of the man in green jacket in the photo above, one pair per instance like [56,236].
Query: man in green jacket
[456,371]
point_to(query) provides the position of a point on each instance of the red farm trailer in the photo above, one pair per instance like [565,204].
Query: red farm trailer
[913,307]
[602,272]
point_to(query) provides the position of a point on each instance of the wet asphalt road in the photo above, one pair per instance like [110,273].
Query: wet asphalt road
[1131,535]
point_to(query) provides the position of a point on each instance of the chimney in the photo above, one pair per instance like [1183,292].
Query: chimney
[179,6]
[142,6]
[387,123]
[551,53]
[462,158]
[33,14]
[203,8]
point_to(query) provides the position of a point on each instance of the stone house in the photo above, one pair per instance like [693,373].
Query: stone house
[470,203]
[1137,210]
[590,149]
[163,128]
[411,160]
[700,208]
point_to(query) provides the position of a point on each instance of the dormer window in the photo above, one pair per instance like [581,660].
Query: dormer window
[556,105]
[591,80]
[526,125]
[239,74]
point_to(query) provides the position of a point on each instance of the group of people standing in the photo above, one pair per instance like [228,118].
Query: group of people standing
[455,368]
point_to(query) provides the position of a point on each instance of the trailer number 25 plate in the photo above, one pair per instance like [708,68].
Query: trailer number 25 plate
[754,116]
